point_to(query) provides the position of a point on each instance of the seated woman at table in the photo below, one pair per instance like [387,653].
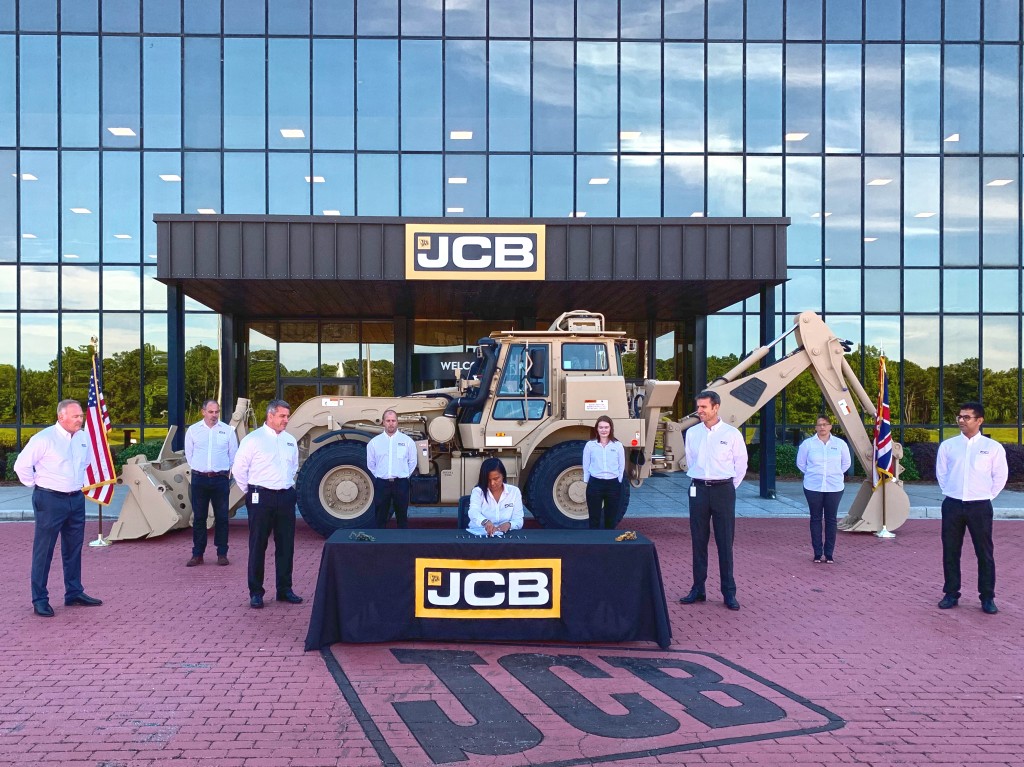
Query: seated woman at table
[494,507]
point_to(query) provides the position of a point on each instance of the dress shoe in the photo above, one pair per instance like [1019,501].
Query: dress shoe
[195,561]
[731,603]
[84,600]
[42,609]
[988,606]
[695,595]
[948,601]
[289,596]
[256,601]
[222,560]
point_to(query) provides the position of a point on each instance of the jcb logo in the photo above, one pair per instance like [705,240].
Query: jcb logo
[500,588]
[453,252]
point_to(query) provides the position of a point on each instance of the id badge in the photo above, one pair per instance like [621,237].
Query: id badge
[693,491]
[256,497]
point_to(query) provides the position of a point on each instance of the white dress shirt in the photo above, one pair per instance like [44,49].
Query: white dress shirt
[266,459]
[508,508]
[823,463]
[210,449]
[971,469]
[54,459]
[716,453]
[603,461]
[391,457]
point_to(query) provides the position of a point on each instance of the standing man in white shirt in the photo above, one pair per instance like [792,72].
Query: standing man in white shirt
[716,460]
[53,464]
[391,459]
[210,446]
[264,470]
[971,470]
[824,460]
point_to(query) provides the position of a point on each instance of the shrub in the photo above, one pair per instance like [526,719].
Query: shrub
[785,460]
[924,458]
[1015,462]
[149,448]
[910,472]
[913,434]
[9,474]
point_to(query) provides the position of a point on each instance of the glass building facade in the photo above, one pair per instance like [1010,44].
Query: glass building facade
[889,132]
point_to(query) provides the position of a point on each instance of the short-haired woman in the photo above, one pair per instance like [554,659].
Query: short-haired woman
[823,459]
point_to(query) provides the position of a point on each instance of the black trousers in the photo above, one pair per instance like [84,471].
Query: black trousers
[824,508]
[63,515]
[207,490]
[274,513]
[976,516]
[388,495]
[714,506]
[604,497]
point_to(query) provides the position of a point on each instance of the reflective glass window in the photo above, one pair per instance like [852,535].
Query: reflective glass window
[1001,374]
[289,17]
[920,369]
[161,68]
[422,124]
[764,19]
[202,182]
[842,98]
[843,238]
[962,19]
[289,182]
[202,16]
[39,288]
[882,20]
[596,97]
[725,20]
[337,192]
[509,18]
[421,17]
[921,189]
[509,186]
[466,183]
[202,92]
[922,19]
[803,206]
[640,19]
[288,75]
[377,181]
[79,15]
[332,17]
[38,349]
[803,98]
[803,290]
[1001,97]
[38,70]
[596,185]
[377,18]
[640,95]
[122,287]
[245,182]
[154,382]
[377,93]
[244,17]
[960,224]
[121,121]
[960,290]
[80,196]
[961,104]
[8,292]
[725,185]
[843,20]
[161,193]
[464,18]
[333,94]
[1000,292]
[684,186]
[244,95]
[508,101]
[552,18]
[79,91]
[763,184]
[842,290]
[1002,19]
[684,19]
[465,99]
[921,290]
[960,363]
[598,18]
[552,186]
[121,237]
[882,196]
[552,96]
[8,90]
[120,342]
[725,97]
[9,182]
[422,183]
[882,98]
[725,336]
[1000,211]
[37,15]
[882,294]
[121,15]
[640,186]
[298,348]
[921,123]
[684,97]
[764,97]
[160,16]
[39,215]
[803,19]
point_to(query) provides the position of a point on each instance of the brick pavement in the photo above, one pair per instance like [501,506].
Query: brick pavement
[175,668]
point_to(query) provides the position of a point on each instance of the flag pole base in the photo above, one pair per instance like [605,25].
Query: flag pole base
[883,533]
[100,541]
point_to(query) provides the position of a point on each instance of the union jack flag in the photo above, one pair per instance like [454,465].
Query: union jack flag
[885,462]
[100,475]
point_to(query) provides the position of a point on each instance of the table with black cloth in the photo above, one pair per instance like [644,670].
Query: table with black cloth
[611,591]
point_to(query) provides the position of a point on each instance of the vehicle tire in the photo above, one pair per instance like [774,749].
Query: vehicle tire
[335,489]
[556,493]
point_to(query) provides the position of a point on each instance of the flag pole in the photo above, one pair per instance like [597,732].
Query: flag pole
[883,533]
[100,540]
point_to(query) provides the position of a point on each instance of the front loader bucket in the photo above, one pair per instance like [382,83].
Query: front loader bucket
[158,499]
[886,506]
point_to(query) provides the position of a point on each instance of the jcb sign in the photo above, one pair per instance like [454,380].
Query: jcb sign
[472,251]
[498,588]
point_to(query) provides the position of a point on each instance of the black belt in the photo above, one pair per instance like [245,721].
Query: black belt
[390,479]
[68,494]
[258,489]
[712,482]
[210,473]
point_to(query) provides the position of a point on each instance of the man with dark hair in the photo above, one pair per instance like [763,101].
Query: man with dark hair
[210,446]
[971,470]
[264,470]
[716,460]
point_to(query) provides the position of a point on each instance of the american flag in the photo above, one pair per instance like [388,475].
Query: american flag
[885,462]
[100,475]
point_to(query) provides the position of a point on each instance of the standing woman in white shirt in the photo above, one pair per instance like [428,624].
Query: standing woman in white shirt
[824,460]
[604,464]
[494,506]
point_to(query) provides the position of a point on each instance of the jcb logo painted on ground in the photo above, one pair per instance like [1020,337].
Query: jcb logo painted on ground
[495,705]
[460,252]
[493,588]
